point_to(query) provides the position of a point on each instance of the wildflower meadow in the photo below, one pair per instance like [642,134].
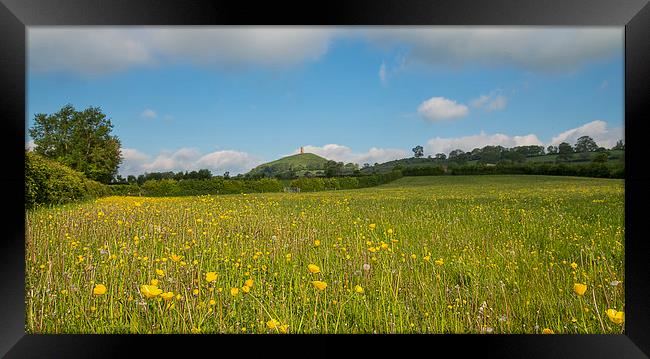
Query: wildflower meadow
[445,254]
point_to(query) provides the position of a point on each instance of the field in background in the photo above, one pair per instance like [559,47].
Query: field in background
[462,254]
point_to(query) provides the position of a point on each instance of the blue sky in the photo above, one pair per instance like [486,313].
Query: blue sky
[228,99]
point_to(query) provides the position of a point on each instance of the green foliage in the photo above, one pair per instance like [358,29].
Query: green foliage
[130,189]
[79,139]
[598,170]
[49,182]
[215,185]
[320,184]
[423,171]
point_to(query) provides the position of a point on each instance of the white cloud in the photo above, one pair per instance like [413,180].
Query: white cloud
[30,145]
[382,73]
[529,48]
[490,102]
[93,50]
[228,160]
[149,113]
[85,50]
[341,153]
[597,130]
[187,159]
[98,50]
[440,108]
[468,143]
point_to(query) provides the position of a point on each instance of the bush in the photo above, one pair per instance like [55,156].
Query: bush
[48,182]
[125,190]
[320,184]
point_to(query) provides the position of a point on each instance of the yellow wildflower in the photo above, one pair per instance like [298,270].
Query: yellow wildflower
[150,291]
[615,316]
[246,289]
[439,262]
[574,265]
[319,285]
[316,243]
[358,289]
[160,272]
[272,324]
[99,289]
[167,296]
[579,288]
[234,291]
[211,276]
[313,268]
[547,331]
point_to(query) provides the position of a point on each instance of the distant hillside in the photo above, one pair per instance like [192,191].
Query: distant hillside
[577,158]
[291,166]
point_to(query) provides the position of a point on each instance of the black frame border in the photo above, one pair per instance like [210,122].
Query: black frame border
[16,15]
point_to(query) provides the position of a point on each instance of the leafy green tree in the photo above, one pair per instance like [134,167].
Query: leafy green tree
[81,140]
[586,144]
[418,151]
[619,145]
[565,151]
[441,156]
[551,150]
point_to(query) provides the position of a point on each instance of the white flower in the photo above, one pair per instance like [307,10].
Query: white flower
[366,267]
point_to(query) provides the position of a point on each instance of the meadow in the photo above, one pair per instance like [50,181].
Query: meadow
[443,254]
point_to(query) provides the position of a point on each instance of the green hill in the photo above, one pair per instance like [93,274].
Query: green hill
[404,163]
[291,166]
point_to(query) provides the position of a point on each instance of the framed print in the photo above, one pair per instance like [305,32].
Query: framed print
[443,174]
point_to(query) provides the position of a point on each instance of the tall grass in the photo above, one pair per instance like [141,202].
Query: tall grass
[466,254]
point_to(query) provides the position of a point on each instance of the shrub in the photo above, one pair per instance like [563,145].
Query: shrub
[48,182]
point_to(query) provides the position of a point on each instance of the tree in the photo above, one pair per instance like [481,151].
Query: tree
[441,156]
[458,156]
[333,168]
[551,150]
[418,151]
[565,151]
[586,144]
[619,145]
[81,140]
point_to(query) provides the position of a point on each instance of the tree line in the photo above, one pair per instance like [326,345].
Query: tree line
[494,154]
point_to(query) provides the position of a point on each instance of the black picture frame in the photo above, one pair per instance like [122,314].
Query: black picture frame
[16,15]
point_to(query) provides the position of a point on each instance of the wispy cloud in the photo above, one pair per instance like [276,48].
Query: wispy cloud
[382,73]
[491,102]
[149,113]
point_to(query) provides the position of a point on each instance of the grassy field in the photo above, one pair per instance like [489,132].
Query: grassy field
[461,254]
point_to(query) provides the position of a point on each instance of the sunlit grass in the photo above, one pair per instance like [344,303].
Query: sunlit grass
[467,254]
